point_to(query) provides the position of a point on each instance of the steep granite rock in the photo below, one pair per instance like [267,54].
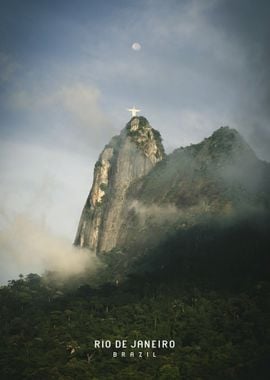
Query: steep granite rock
[139,196]
[127,158]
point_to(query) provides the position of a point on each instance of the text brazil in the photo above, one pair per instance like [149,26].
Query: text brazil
[135,348]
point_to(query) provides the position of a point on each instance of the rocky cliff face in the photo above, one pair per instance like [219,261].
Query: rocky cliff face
[139,196]
[127,158]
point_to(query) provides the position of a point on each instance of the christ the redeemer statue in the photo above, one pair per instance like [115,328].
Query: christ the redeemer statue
[133,111]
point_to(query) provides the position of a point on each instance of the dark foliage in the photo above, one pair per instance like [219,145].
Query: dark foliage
[207,288]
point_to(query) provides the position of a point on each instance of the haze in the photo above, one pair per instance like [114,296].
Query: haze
[68,73]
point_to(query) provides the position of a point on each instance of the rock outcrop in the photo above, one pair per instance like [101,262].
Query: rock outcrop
[139,196]
[127,158]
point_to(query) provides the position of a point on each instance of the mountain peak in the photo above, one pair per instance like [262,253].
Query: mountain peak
[225,131]
[138,119]
[127,158]
[227,143]
[146,138]
[227,136]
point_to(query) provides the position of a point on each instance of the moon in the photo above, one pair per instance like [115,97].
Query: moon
[136,46]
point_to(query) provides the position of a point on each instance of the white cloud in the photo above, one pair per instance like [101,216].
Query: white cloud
[80,100]
[48,184]
[28,246]
[72,111]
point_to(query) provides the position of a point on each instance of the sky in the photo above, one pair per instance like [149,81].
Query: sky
[68,73]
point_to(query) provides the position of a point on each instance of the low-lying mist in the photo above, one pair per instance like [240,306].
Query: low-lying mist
[29,246]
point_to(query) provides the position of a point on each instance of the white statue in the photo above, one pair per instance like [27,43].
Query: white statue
[133,111]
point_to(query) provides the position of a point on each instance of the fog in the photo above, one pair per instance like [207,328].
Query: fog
[68,74]
[27,246]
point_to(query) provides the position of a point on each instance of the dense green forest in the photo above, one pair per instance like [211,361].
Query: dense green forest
[207,288]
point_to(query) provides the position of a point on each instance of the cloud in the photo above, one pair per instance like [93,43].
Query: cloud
[7,67]
[156,213]
[195,124]
[28,246]
[48,183]
[42,193]
[72,111]
[196,56]
[82,102]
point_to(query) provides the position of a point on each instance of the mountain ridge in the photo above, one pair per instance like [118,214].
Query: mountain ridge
[219,176]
